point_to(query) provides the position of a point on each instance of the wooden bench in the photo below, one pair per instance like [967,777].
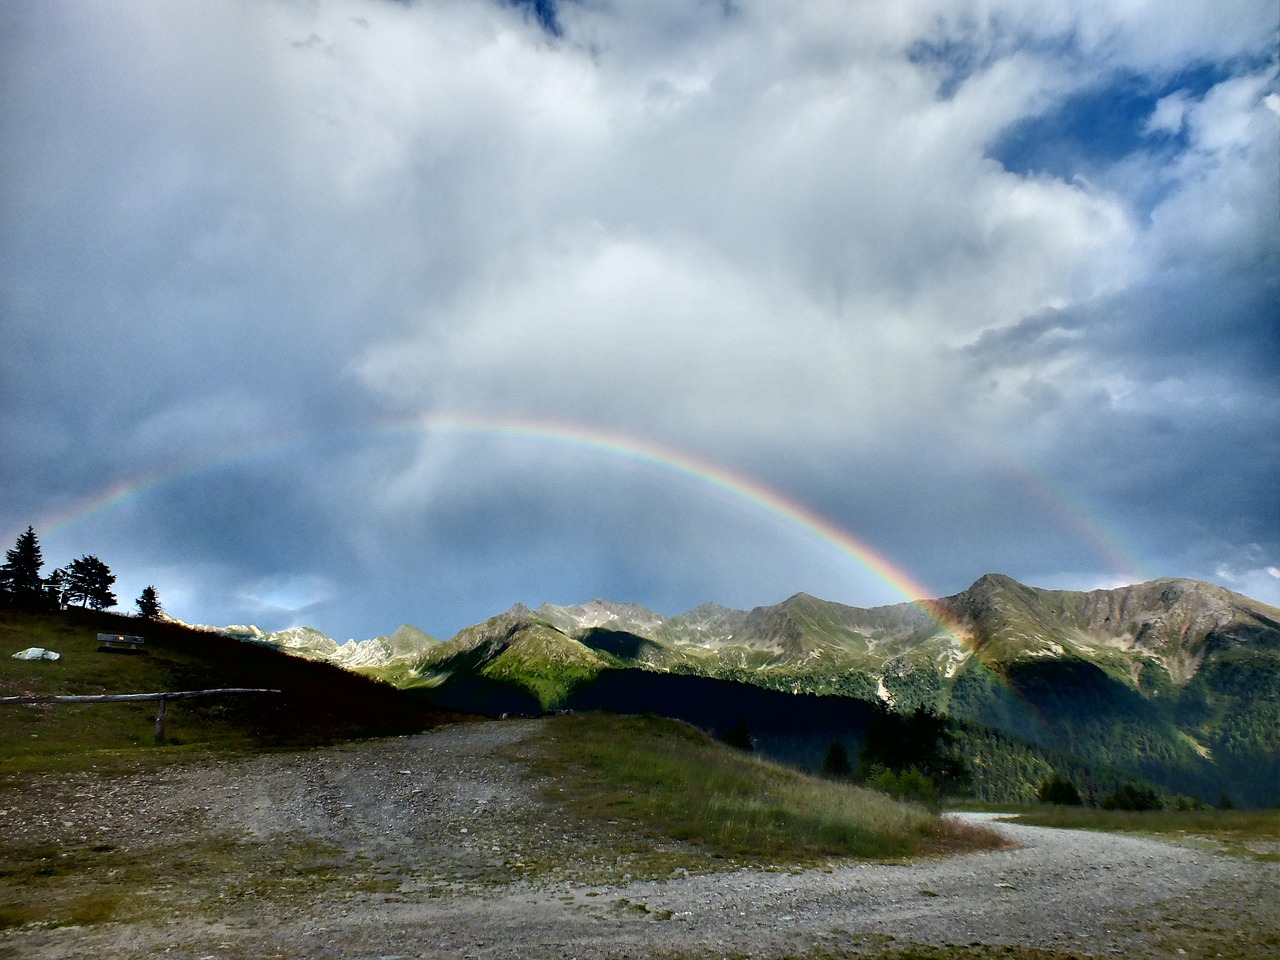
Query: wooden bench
[118,643]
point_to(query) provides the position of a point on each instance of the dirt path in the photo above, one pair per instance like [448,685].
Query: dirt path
[442,845]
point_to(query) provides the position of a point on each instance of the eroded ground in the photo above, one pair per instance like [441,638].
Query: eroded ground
[449,844]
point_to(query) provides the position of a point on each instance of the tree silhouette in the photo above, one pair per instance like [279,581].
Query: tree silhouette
[1131,796]
[1058,789]
[919,739]
[20,574]
[89,580]
[738,736]
[149,604]
[836,763]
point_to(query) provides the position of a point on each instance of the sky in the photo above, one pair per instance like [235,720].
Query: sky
[355,313]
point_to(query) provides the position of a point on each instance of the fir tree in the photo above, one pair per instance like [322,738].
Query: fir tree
[1131,796]
[149,604]
[919,739]
[836,763]
[1058,789]
[20,574]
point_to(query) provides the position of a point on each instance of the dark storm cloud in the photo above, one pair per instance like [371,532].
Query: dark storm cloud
[240,241]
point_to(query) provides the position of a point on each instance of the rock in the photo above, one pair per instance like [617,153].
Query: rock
[37,653]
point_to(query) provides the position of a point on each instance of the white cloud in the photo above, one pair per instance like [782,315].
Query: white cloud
[1170,113]
[762,232]
[1262,582]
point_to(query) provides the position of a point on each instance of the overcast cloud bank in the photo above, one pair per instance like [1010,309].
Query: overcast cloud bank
[991,286]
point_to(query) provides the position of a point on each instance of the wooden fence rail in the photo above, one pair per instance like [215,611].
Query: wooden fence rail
[162,698]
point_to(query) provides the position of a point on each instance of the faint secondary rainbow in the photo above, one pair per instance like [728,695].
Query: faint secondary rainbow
[1068,509]
[736,485]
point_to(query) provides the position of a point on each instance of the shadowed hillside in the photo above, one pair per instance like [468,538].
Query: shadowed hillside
[318,702]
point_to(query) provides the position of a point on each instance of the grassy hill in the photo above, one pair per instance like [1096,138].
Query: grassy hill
[318,702]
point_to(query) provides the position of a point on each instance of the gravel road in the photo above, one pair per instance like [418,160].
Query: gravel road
[445,845]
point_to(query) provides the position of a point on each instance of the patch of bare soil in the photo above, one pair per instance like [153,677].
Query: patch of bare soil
[447,844]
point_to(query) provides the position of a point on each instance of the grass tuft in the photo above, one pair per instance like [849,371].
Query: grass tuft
[669,778]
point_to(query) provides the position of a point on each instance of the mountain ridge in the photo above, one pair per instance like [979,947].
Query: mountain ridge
[1174,679]
[1173,621]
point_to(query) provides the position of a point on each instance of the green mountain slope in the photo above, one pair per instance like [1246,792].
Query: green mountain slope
[517,648]
[1174,680]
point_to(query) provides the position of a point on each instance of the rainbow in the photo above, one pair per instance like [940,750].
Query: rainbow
[736,486]
[1067,509]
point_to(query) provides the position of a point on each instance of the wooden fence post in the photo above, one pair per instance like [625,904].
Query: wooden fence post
[161,710]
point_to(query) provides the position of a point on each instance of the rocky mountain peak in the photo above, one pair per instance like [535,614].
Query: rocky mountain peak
[598,613]
[992,582]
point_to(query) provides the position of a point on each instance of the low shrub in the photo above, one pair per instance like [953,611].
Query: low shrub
[1132,797]
[1058,789]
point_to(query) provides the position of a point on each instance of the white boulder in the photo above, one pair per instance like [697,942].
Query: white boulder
[36,653]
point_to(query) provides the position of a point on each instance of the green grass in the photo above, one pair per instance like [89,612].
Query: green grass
[1253,833]
[320,703]
[673,780]
[78,884]
[51,736]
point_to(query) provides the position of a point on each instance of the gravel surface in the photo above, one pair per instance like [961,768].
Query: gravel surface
[446,845]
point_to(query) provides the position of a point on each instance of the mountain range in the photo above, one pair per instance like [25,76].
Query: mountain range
[406,644]
[1172,680]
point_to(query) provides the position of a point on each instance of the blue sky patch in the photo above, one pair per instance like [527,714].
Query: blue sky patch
[544,11]
[1098,126]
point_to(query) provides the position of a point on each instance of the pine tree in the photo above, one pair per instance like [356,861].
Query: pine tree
[836,763]
[149,604]
[89,580]
[920,739]
[20,574]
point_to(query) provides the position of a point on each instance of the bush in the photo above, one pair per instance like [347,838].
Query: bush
[914,785]
[1132,797]
[1058,789]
